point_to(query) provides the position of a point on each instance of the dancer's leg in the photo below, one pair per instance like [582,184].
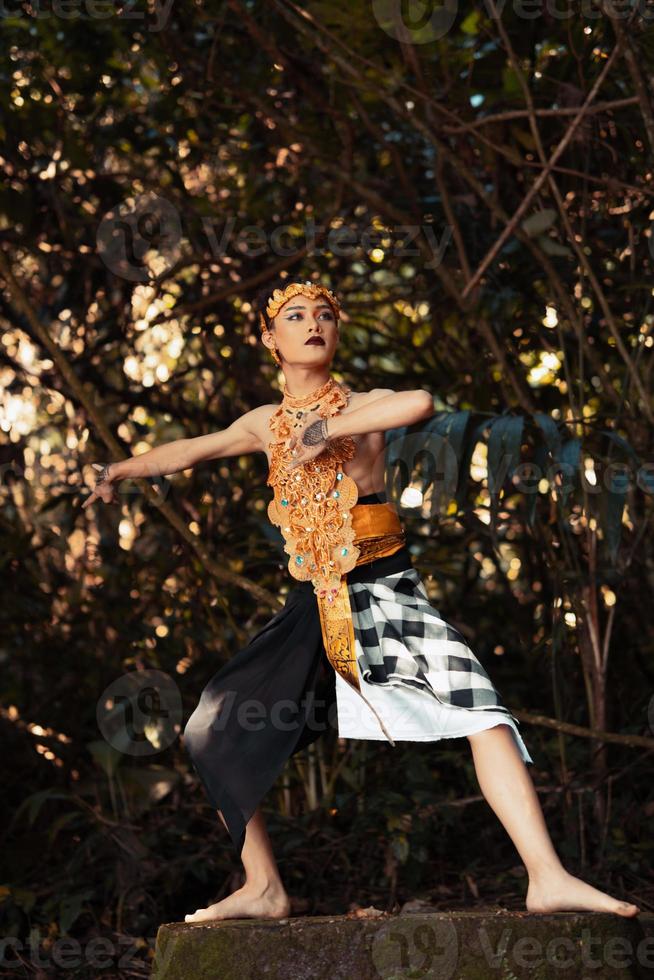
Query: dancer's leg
[508,788]
[262,896]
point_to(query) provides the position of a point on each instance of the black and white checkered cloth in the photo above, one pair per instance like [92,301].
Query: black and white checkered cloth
[283,673]
[403,640]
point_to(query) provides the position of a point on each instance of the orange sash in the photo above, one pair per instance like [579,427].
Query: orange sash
[378,533]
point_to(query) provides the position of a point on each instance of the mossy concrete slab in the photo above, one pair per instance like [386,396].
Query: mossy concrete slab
[411,946]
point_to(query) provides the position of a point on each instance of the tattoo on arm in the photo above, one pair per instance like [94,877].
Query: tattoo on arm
[315,433]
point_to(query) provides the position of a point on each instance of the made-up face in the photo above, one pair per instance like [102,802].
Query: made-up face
[300,325]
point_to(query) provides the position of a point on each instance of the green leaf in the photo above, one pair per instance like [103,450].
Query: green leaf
[452,426]
[446,432]
[148,786]
[524,137]
[71,907]
[645,478]
[24,898]
[539,222]
[32,804]
[541,453]
[551,433]
[400,847]
[503,449]
[471,23]
[466,457]
[61,822]
[612,504]
[510,83]
[105,756]
[551,247]
[436,446]
[569,457]
[621,442]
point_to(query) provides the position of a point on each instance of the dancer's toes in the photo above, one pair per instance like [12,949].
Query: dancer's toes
[205,915]
[627,908]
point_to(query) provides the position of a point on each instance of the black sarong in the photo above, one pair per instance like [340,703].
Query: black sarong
[271,699]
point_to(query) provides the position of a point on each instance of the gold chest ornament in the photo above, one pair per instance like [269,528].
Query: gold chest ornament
[312,503]
[326,533]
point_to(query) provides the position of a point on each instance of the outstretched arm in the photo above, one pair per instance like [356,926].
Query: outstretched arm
[237,439]
[384,409]
[172,457]
[389,410]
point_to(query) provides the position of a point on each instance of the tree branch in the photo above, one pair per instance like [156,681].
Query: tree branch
[88,398]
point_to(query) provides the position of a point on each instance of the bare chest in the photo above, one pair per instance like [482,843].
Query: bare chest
[366,467]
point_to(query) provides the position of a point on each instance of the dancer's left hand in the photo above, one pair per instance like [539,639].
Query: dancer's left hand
[306,441]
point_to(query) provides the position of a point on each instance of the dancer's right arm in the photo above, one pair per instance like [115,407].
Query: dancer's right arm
[242,436]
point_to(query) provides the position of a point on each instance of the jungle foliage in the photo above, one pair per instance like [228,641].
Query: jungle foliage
[479,191]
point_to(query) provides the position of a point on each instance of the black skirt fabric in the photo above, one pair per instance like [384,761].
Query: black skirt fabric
[270,700]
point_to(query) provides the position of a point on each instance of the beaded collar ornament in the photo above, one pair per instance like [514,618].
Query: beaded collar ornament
[312,503]
[280,296]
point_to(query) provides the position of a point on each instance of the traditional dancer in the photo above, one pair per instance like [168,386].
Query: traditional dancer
[357,646]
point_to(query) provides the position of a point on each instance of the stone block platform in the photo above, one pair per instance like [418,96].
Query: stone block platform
[475,945]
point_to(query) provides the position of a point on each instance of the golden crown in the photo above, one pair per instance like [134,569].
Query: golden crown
[307,288]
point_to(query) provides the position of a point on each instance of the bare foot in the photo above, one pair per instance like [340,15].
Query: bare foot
[248,902]
[565,893]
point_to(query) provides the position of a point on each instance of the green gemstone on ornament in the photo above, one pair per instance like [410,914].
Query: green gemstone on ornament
[343,551]
[339,476]
[336,493]
[284,502]
[299,560]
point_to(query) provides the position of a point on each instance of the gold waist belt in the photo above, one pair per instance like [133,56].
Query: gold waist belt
[378,533]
